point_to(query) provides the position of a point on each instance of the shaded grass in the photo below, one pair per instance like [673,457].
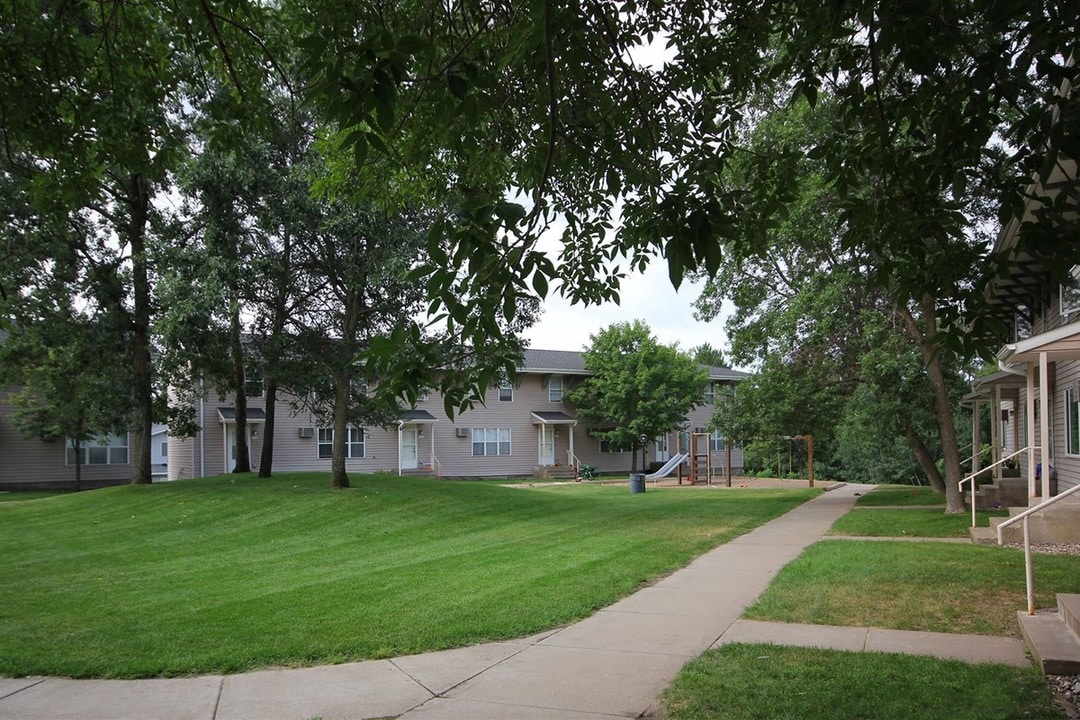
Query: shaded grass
[22,495]
[231,573]
[889,495]
[766,682]
[938,587]
[913,523]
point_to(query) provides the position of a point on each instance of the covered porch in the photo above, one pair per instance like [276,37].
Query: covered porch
[415,430]
[1034,359]
[551,428]
[256,417]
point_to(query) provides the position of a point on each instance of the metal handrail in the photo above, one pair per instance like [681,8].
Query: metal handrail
[1027,539]
[971,478]
[435,463]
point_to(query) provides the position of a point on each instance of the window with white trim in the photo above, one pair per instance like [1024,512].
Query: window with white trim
[1070,292]
[108,450]
[354,442]
[506,391]
[555,388]
[490,441]
[253,382]
[606,446]
[1072,421]
[710,394]
[716,441]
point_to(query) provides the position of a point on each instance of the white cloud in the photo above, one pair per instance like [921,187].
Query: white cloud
[648,297]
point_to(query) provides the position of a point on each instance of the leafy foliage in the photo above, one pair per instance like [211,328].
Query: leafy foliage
[643,388]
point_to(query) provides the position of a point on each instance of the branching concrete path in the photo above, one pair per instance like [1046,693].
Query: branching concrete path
[612,665]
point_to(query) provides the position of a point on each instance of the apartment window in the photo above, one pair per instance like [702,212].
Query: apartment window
[710,394]
[506,391]
[1072,421]
[354,443]
[555,388]
[253,382]
[1070,292]
[165,449]
[716,441]
[108,450]
[491,441]
[606,446]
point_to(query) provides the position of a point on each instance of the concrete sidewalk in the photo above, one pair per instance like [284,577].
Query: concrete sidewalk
[613,664]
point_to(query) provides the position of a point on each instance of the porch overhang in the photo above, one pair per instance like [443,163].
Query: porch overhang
[227,415]
[417,417]
[548,417]
[1062,343]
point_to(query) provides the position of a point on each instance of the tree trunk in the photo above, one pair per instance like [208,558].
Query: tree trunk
[926,339]
[77,444]
[142,387]
[236,348]
[338,477]
[926,460]
[266,461]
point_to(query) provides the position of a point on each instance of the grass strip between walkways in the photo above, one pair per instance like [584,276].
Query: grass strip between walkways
[768,682]
[928,523]
[938,587]
[232,573]
[890,495]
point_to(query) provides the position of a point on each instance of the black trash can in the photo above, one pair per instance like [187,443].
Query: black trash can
[637,483]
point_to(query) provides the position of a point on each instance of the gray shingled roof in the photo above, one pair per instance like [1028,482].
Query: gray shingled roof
[569,362]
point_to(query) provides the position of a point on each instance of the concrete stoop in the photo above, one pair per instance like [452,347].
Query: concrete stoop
[983,535]
[1055,525]
[1054,638]
[1001,493]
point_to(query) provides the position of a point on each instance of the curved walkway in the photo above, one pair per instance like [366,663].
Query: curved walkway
[613,664]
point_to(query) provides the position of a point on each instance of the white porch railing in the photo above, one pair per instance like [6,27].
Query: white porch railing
[1027,539]
[437,467]
[573,461]
[971,478]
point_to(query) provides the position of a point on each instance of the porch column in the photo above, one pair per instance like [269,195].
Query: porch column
[996,439]
[399,426]
[1030,417]
[1044,424]
[225,444]
[572,458]
[976,437]
[431,452]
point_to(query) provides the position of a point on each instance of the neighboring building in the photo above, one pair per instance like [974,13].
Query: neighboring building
[523,428]
[33,463]
[1035,397]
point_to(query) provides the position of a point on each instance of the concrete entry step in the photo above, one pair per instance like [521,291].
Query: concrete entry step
[983,535]
[1052,642]
[1069,609]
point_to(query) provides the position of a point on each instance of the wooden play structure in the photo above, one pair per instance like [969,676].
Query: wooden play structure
[703,469]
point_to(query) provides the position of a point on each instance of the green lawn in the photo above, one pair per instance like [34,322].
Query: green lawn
[912,523]
[900,495]
[232,573]
[768,682]
[30,495]
[939,587]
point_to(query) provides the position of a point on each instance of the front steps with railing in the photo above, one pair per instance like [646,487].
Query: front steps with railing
[556,472]
[1006,491]
[1054,638]
[1056,525]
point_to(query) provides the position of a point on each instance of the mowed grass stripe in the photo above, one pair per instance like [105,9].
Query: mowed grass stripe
[937,587]
[232,573]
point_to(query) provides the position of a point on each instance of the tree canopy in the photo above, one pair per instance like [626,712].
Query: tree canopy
[638,388]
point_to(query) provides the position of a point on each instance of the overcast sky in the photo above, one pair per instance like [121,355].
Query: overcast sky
[648,297]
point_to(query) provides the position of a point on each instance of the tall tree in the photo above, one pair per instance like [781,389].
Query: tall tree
[643,388]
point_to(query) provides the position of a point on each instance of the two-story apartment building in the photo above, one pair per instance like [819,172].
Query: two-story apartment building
[523,428]
[1035,396]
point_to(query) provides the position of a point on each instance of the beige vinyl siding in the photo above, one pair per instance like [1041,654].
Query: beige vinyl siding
[1067,467]
[452,454]
[32,462]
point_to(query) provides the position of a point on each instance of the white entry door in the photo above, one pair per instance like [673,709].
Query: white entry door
[547,445]
[409,454]
[662,452]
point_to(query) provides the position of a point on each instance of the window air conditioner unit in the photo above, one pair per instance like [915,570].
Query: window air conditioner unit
[306,432]
[462,432]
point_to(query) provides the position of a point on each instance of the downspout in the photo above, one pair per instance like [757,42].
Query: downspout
[202,429]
